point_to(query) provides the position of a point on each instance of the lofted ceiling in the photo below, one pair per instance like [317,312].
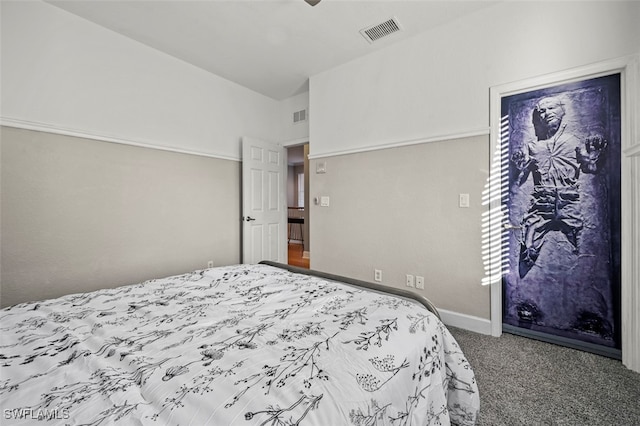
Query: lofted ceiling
[269,46]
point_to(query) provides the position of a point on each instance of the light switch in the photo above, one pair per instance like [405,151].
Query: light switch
[464,200]
[324,201]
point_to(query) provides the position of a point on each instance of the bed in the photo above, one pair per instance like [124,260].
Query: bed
[263,344]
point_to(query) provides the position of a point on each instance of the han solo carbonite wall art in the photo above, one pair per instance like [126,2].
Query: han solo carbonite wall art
[563,204]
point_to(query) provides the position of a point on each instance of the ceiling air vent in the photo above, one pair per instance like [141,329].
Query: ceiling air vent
[378,31]
[299,116]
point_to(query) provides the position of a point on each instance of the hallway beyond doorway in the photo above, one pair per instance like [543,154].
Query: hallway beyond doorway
[295,256]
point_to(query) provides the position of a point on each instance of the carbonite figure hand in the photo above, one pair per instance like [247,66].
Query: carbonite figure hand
[590,154]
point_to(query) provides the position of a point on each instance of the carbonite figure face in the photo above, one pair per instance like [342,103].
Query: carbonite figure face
[550,113]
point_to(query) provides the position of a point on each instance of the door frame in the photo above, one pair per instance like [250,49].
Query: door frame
[307,210]
[630,164]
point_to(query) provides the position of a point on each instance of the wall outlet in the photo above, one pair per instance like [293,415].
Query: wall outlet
[210,264]
[377,275]
[420,282]
[410,281]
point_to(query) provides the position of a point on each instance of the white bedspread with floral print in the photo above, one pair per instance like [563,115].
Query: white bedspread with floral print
[236,345]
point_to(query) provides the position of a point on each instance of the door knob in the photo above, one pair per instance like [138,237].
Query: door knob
[249,218]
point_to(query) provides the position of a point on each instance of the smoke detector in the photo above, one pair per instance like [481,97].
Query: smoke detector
[381,30]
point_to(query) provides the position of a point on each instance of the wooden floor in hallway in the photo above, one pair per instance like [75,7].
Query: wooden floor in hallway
[295,256]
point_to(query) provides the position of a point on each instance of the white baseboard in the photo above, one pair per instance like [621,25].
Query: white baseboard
[466,322]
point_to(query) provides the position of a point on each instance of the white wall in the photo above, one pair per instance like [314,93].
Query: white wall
[438,83]
[291,132]
[63,73]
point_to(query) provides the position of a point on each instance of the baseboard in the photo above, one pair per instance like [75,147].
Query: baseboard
[466,322]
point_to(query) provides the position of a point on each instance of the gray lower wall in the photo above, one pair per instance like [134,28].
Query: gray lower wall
[397,210]
[79,215]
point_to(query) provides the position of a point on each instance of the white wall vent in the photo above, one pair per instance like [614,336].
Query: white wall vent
[299,116]
[378,31]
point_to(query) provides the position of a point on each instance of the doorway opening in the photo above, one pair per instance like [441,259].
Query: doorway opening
[298,205]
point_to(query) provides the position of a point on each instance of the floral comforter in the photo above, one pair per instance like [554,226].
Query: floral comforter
[241,345]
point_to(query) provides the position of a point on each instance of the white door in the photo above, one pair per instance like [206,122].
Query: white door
[264,201]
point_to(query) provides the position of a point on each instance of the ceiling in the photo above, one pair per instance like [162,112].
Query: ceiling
[269,46]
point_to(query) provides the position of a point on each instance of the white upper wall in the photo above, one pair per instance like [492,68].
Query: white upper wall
[437,83]
[60,72]
[294,132]
[63,73]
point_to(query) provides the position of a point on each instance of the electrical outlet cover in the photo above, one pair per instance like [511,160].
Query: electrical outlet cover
[410,282]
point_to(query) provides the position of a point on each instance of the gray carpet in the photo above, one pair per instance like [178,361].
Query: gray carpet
[527,382]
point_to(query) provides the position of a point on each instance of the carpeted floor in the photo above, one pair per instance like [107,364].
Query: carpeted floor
[527,382]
